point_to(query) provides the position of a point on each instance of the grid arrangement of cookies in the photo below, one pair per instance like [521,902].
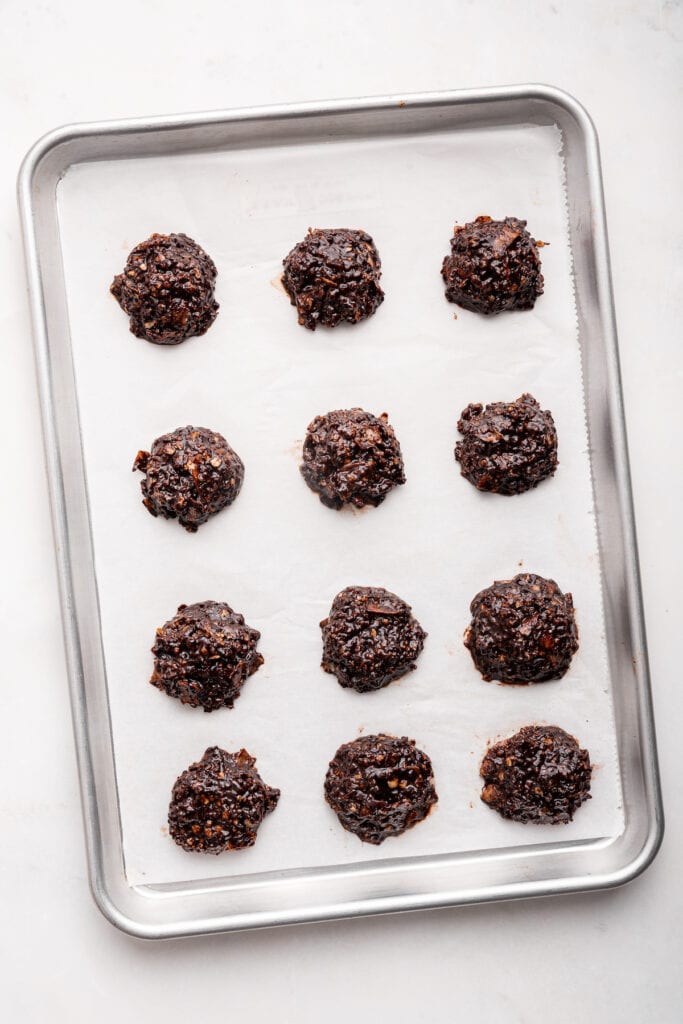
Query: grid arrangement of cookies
[522,630]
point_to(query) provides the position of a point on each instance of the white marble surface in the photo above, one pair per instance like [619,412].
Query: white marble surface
[612,957]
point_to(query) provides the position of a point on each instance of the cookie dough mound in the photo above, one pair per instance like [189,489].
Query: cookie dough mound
[370,638]
[190,474]
[522,630]
[167,289]
[218,803]
[351,457]
[204,655]
[493,266]
[507,447]
[380,786]
[539,775]
[332,277]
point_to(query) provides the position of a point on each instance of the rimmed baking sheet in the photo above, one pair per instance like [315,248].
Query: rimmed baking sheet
[278,555]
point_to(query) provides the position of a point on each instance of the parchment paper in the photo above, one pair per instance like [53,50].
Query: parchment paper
[278,555]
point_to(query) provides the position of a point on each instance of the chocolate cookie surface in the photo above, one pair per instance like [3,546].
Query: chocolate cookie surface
[332,277]
[522,630]
[167,289]
[370,638]
[218,803]
[493,266]
[351,457]
[379,786]
[204,655]
[190,474]
[539,775]
[507,447]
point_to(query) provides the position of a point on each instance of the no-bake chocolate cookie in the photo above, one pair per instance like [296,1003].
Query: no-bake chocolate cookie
[493,266]
[190,474]
[204,655]
[167,289]
[379,786]
[370,638]
[539,775]
[332,277]
[522,630]
[351,457]
[507,447]
[218,803]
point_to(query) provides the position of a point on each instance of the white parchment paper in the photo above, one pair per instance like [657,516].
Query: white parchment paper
[278,555]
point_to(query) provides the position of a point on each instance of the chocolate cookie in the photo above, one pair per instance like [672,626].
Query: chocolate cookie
[369,638]
[493,266]
[379,786]
[332,277]
[166,289]
[190,474]
[218,803]
[204,655]
[351,457]
[507,447]
[522,630]
[540,775]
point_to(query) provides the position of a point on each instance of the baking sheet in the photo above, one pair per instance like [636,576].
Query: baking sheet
[278,555]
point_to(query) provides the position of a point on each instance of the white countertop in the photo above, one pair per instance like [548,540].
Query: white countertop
[610,957]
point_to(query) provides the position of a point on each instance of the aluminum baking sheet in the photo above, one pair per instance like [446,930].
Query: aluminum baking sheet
[278,555]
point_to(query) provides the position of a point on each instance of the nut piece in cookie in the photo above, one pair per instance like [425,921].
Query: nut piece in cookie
[218,803]
[190,474]
[370,638]
[507,447]
[167,289]
[522,630]
[493,266]
[380,786]
[332,277]
[351,457]
[539,775]
[204,655]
